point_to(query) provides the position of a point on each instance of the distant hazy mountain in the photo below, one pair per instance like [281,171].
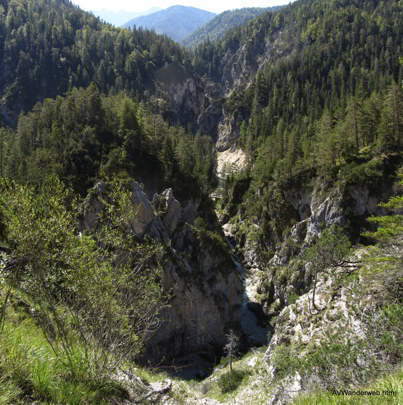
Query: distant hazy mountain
[216,28]
[119,17]
[177,21]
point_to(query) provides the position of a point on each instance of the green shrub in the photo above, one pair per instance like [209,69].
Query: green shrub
[292,298]
[363,173]
[85,293]
[231,381]
[210,238]
[286,360]
[224,361]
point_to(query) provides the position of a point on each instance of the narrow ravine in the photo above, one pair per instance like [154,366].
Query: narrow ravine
[234,160]
[255,333]
[253,330]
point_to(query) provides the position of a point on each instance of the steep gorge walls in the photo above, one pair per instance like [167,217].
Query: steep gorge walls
[198,273]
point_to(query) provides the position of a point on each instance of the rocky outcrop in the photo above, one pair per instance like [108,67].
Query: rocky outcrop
[205,286]
[342,317]
[228,131]
[316,206]
[285,392]
[183,91]
[142,210]
[212,109]
[321,207]
[171,210]
[208,120]
[195,102]
[203,283]
[237,67]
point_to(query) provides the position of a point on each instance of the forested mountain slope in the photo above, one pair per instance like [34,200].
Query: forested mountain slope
[84,136]
[216,28]
[48,47]
[177,21]
[337,54]
[310,56]
[325,102]
[308,23]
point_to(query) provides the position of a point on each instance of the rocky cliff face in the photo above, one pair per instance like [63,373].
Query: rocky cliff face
[322,206]
[200,102]
[313,207]
[177,94]
[340,342]
[194,102]
[238,69]
[205,287]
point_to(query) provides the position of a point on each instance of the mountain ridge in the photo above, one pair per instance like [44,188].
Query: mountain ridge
[216,28]
[187,20]
[119,17]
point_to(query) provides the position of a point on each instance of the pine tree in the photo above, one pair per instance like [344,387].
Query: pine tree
[391,125]
[353,116]
[231,347]
[2,151]
[329,251]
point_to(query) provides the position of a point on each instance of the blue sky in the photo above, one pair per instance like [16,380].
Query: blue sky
[209,5]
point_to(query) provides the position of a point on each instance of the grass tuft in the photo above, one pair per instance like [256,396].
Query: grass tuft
[30,371]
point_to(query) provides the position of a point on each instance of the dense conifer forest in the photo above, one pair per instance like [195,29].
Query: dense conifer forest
[49,47]
[84,136]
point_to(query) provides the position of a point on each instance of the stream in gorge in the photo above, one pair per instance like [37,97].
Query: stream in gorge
[256,334]
[199,365]
[253,328]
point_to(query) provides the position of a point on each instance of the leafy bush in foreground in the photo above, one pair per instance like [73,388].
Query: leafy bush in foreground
[96,292]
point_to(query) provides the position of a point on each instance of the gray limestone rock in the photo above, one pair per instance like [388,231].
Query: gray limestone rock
[205,287]
[93,206]
[208,120]
[143,213]
[173,211]
[299,325]
[287,391]
[325,214]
